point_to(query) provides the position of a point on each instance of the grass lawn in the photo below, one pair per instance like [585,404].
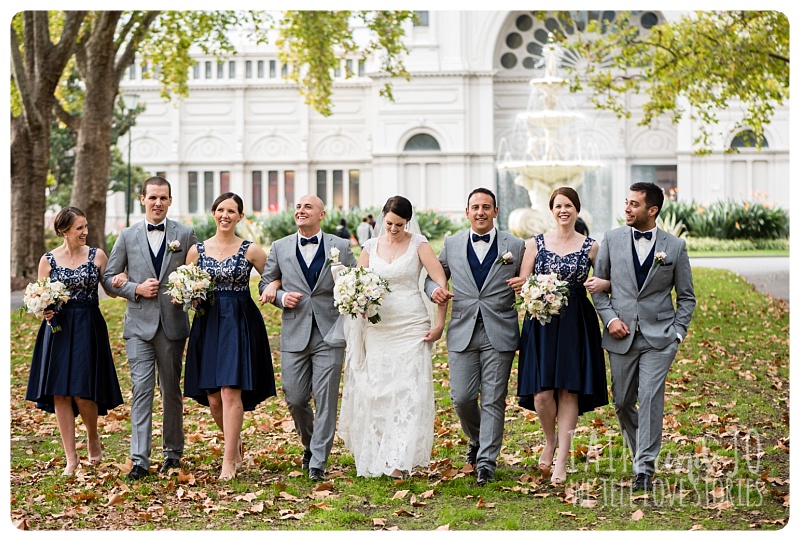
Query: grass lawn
[724,464]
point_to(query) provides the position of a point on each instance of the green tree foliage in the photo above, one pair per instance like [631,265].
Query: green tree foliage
[314,41]
[702,63]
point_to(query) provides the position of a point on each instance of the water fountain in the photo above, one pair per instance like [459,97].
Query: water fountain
[549,153]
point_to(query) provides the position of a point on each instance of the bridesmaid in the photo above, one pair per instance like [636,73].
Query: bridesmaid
[562,370]
[228,362]
[72,371]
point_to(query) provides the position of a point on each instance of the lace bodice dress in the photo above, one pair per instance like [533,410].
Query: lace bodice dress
[565,353]
[387,411]
[77,360]
[228,343]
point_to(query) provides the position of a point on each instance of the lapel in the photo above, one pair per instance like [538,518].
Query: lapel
[144,245]
[502,247]
[661,246]
[461,250]
[627,243]
[327,245]
[170,234]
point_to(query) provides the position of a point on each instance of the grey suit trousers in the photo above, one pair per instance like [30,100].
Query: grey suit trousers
[317,371]
[481,370]
[641,374]
[145,358]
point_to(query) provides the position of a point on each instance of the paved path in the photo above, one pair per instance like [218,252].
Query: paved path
[768,275]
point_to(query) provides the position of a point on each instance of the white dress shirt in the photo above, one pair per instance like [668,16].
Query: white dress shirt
[643,245]
[482,248]
[156,237]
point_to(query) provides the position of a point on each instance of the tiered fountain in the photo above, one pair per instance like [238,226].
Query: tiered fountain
[553,155]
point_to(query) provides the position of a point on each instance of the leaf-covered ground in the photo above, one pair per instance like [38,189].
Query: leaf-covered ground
[724,463]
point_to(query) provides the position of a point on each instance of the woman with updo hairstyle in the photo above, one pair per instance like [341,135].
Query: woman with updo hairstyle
[387,411]
[72,370]
[228,360]
[562,371]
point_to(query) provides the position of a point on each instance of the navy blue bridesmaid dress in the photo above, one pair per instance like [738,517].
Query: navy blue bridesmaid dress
[565,353]
[77,360]
[228,343]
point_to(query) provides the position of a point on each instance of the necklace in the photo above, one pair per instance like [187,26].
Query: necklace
[70,256]
[224,248]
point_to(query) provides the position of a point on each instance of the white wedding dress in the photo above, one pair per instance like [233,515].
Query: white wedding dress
[387,412]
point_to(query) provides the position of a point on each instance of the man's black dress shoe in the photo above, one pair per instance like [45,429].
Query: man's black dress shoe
[472,454]
[316,474]
[136,473]
[643,482]
[170,464]
[485,475]
[306,458]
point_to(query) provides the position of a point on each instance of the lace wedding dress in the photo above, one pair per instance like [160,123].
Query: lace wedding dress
[387,411]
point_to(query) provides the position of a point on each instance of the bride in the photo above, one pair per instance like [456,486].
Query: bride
[387,411]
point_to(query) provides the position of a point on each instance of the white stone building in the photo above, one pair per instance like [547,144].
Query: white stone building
[244,128]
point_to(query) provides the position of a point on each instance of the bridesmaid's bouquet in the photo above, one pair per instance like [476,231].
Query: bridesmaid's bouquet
[358,291]
[543,296]
[189,283]
[43,295]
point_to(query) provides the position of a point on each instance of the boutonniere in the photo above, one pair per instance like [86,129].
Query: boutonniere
[333,256]
[174,246]
[660,258]
[505,259]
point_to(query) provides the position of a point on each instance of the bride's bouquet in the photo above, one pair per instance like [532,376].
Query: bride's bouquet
[189,283]
[43,295]
[543,296]
[359,291]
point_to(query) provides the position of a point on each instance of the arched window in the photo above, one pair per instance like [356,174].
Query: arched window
[422,142]
[526,36]
[748,139]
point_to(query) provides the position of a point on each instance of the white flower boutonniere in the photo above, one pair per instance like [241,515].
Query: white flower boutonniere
[660,258]
[175,245]
[505,259]
[333,256]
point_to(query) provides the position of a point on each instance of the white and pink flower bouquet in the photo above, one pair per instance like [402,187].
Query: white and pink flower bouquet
[190,283]
[543,296]
[358,291]
[43,295]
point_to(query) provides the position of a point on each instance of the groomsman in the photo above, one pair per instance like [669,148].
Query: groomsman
[643,327]
[308,364]
[155,329]
[483,334]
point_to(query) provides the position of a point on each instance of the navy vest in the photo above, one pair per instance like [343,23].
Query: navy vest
[481,270]
[644,268]
[312,272]
[158,258]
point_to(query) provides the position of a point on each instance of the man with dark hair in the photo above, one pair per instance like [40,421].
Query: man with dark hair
[483,334]
[643,327]
[155,329]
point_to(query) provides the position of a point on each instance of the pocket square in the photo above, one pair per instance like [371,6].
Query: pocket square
[179,251]
[668,264]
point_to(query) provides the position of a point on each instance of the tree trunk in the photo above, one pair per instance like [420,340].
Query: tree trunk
[29,158]
[93,154]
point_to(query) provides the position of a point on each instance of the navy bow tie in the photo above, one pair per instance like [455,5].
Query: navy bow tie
[638,234]
[159,227]
[312,240]
[484,238]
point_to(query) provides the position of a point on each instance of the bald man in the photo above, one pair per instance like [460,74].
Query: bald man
[301,261]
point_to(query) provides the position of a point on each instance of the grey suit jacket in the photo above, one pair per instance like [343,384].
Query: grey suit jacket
[651,307]
[495,300]
[131,254]
[282,264]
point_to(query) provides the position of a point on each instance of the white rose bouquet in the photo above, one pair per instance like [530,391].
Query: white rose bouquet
[358,291]
[543,296]
[189,283]
[43,295]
